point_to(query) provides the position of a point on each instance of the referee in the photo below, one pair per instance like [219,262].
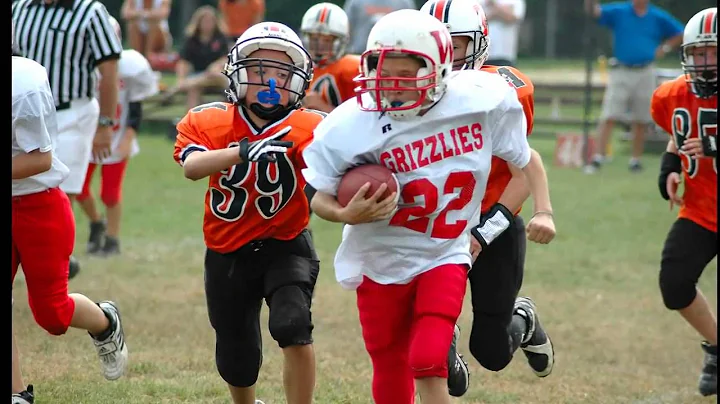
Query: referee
[75,42]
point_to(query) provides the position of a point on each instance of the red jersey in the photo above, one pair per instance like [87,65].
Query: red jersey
[252,201]
[500,174]
[683,116]
[334,81]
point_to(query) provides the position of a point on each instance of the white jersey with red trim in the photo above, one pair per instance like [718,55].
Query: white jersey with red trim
[136,82]
[441,161]
[34,124]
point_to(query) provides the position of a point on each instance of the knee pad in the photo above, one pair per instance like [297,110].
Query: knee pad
[678,291]
[490,342]
[290,320]
[110,200]
[430,345]
[238,360]
[53,317]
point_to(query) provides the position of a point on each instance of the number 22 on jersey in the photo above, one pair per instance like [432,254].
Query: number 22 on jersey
[423,196]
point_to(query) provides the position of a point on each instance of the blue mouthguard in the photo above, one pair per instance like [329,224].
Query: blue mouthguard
[269,96]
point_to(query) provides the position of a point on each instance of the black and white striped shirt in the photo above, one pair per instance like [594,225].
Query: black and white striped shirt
[69,38]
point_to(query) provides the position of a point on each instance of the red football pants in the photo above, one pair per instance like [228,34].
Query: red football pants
[43,237]
[111,181]
[408,329]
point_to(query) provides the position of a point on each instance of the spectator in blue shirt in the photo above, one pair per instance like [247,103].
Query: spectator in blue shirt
[641,33]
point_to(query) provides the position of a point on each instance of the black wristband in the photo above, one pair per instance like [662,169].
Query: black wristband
[134,116]
[670,163]
[492,224]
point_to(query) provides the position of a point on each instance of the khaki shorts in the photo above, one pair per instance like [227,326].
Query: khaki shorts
[628,93]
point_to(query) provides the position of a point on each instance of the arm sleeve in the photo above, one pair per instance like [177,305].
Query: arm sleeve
[608,14]
[325,161]
[190,138]
[34,120]
[104,43]
[658,112]
[509,131]
[670,25]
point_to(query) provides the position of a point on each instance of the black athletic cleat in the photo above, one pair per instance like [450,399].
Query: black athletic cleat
[536,345]
[24,397]
[111,247]
[708,377]
[96,238]
[458,372]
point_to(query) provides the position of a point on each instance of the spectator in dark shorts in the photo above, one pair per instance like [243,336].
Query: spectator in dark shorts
[239,15]
[202,58]
[642,33]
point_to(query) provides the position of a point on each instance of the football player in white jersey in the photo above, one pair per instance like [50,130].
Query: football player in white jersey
[43,229]
[502,321]
[408,257]
[137,81]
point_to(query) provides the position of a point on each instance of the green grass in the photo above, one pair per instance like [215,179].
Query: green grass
[595,286]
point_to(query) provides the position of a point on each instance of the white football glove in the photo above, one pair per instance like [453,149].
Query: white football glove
[265,149]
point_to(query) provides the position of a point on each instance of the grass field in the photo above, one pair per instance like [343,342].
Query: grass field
[595,286]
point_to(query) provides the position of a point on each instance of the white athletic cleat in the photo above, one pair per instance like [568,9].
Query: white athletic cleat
[112,350]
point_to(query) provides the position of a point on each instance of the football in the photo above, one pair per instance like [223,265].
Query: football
[356,177]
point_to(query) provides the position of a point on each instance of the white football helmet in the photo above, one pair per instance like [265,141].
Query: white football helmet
[410,33]
[325,19]
[700,32]
[464,18]
[271,36]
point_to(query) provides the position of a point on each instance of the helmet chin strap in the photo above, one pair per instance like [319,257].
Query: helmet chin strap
[272,97]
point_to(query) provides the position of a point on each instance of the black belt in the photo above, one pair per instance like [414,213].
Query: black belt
[62,106]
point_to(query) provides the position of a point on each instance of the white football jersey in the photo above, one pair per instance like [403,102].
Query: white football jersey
[442,162]
[137,81]
[34,124]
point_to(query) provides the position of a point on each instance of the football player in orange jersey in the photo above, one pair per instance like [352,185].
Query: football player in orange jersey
[325,33]
[502,321]
[256,214]
[686,108]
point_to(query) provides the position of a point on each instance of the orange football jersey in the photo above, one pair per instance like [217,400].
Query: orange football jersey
[683,116]
[252,201]
[500,174]
[335,81]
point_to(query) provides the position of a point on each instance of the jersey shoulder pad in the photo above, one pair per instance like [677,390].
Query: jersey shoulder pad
[213,115]
[350,65]
[338,122]
[307,119]
[350,62]
[479,89]
[28,76]
[670,88]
